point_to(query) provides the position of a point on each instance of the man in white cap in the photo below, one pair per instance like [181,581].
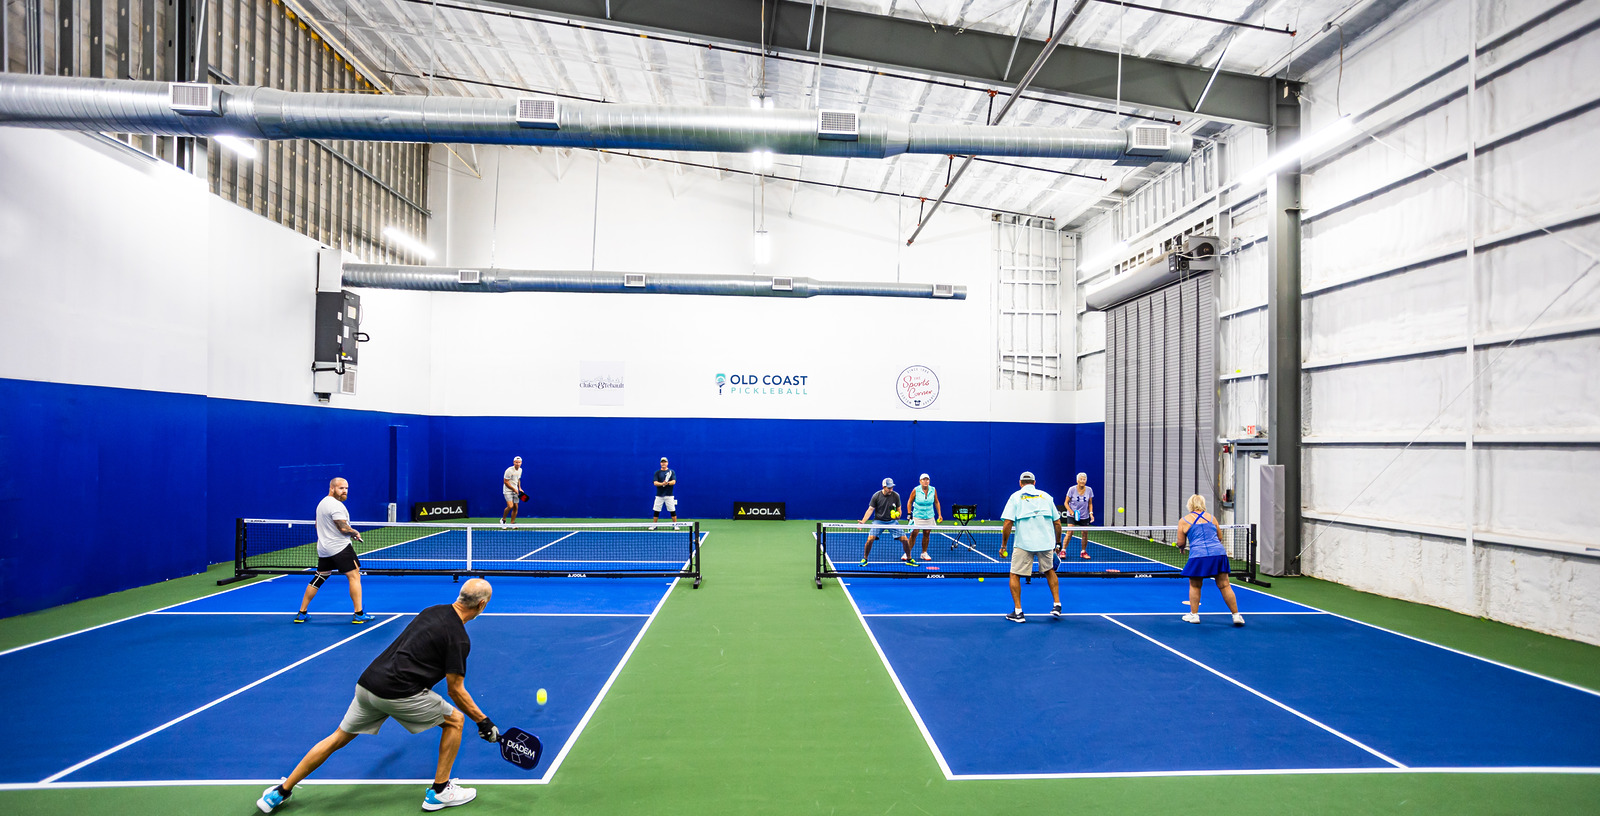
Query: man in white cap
[511,487]
[1038,529]
[884,509]
[666,479]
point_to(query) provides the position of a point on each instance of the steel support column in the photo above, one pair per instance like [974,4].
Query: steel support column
[1283,314]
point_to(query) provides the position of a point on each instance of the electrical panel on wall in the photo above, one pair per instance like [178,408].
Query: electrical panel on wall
[338,331]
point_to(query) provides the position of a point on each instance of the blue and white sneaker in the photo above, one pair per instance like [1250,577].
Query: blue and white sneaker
[271,798]
[302,617]
[451,796]
[364,618]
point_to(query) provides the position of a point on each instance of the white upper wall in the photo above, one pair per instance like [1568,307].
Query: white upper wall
[123,271]
[520,354]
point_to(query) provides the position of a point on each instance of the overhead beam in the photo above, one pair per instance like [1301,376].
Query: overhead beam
[876,40]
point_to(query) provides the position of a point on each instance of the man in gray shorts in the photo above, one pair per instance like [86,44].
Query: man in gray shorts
[1038,528]
[399,684]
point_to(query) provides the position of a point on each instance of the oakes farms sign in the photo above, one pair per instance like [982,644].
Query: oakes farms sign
[766,511]
[431,511]
[774,385]
[917,387]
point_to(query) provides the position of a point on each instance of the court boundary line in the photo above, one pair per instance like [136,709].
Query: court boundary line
[1040,614]
[136,615]
[1285,706]
[418,612]
[916,716]
[224,698]
[1491,661]
[197,783]
[547,546]
[605,689]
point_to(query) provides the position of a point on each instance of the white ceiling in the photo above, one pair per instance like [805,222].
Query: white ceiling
[490,51]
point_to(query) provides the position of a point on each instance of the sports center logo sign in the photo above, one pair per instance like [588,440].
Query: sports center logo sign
[775,385]
[917,387]
[767,511]
[432,511]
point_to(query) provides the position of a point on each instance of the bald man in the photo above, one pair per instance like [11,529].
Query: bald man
[399,685]
[335,552]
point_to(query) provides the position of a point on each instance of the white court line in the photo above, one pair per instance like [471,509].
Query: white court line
[158,729]
[139,615]
[573,738]
[944,767]
[1490,661]
[551,544]
[484,614]
[1045,613]
[970,547]
[199,783]
[1308,718]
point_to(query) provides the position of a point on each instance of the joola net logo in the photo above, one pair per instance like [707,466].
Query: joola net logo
[775,511]
[436,511]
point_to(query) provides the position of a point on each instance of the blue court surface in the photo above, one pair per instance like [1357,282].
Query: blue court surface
[1121,686]
[227,689]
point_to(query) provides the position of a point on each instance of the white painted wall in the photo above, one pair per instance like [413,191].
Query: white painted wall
[518,354]
[122,271]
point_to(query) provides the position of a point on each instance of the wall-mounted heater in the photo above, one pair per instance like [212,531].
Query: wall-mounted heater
[1197,254]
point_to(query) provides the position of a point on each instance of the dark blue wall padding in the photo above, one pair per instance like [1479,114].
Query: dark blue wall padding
[828,469]
[101,489]
[268,460]
[104,489]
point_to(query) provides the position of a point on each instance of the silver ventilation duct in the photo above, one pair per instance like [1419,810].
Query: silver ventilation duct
[167,109]
[457,279]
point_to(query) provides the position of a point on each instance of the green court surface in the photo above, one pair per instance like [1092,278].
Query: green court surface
[758,693]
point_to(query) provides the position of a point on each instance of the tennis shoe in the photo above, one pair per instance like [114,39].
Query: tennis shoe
[1238,619]
[451,796]
[909,561]
[1084,554]
[301,617]
[360,619]
[1055,611]
[652,526]
[1191,618]
[1017,617]
[271,798]
[927,557]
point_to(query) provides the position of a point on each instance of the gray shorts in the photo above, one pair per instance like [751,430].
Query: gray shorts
[511,496]
[1022,561]
[885,529]
[417,713]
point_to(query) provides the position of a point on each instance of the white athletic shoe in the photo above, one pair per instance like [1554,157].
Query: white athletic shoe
[452,795]
[1191,618]
[1238,619]
[652,526]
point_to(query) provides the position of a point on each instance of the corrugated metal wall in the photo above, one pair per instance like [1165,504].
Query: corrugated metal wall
[1161,393]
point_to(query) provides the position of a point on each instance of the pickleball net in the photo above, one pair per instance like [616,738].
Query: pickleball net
[974,551]
[615,550]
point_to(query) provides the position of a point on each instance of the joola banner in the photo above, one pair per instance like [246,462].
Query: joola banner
[765,511]
[435,511]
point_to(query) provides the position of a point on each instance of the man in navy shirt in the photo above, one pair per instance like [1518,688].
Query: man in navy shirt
[399,684]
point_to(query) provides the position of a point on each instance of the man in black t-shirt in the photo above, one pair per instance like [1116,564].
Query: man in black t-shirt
[666,479]
[399,684]
[883,509]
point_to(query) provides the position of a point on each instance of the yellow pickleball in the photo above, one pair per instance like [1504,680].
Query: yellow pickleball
[542,697]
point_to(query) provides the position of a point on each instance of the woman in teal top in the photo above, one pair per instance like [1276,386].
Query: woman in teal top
[923,508]
[1197,533]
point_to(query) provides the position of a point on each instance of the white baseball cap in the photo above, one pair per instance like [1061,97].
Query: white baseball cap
[1027,476]
[923,476]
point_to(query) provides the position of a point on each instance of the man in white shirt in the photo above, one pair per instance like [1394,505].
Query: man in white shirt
[335,553]
[1038,531]
[511,487]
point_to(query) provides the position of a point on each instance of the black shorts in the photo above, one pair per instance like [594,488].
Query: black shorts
[341,562]
[1074,522]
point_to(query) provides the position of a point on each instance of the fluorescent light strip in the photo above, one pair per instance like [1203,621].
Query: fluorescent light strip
[1292,153]
[1110,256]
[236,145]
[408,243]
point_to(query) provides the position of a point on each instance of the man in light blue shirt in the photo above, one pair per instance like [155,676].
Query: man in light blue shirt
[1038,529]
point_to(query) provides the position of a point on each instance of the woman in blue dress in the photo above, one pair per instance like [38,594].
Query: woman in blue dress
[1197,533]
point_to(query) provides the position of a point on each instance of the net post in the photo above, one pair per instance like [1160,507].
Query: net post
[694,545]
[238,554]
[822,548]
[469,548]
[1253,577]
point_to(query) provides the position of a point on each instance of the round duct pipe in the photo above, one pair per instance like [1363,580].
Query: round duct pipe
[458,279]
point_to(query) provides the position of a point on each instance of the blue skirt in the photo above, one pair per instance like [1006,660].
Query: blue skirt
[1206,566]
